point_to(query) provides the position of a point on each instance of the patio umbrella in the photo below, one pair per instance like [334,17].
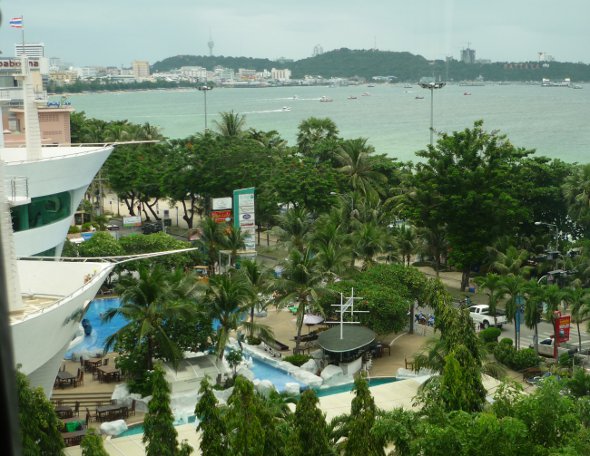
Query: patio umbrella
[310,319]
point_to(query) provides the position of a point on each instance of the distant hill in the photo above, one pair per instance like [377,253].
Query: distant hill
[366,64]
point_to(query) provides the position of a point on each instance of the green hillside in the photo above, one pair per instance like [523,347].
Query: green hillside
[366,64]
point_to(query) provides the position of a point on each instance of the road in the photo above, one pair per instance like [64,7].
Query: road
[545,330]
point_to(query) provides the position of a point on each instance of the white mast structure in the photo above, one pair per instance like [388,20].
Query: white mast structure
[345,307]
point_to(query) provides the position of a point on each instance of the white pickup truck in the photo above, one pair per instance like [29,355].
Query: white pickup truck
[481,316]
[545,348]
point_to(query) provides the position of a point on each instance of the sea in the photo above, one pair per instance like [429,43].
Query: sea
[395,118]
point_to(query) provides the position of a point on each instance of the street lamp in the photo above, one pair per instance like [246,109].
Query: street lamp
[205,88]
[431,86]
[554,226]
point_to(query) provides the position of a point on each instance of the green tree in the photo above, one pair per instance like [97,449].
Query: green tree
[301,281]
[92,445]
[101,244]
[231,124]
[227,297]
[294,227]
[211,240]
[159,433]
[246,434]
[360,423]
[466,181]
[513,287]
[259,281]
[310,432]
[147,303]
[313,132]
[38,422]
[354,159]
[492,283]
[211,423]
[579,301]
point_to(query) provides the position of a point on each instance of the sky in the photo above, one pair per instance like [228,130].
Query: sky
[116,32]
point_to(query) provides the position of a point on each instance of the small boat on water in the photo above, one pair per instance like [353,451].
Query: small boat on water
[466,93]
[365,94]
[325,99]
[352,97]
[419,98]
[286,108]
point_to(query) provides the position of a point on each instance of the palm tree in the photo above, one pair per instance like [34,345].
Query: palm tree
[512,286]
[368,241]
[156,296]
[492,283]
[259,281]
[233,240]
[533,309]
[227,297]
[301,281]
[579,301]
[294,227]
[434,243]
[511,262]
[406,241]
[355,164]
[576,190]
[211,239]
[312,131]
[330,242]
[231,124]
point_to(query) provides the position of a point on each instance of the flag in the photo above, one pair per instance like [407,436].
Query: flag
[16,22]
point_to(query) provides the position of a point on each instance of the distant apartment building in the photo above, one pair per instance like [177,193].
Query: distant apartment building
[280,74]
[468,56]
[63,77]
[222,74]
[141,69]
[87,72]
[30,49]
[194,72]
[245,74]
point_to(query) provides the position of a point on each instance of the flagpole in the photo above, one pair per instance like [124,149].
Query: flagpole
[22,30]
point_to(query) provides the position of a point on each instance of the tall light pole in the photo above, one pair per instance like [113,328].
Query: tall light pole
[431,86]
[205,88]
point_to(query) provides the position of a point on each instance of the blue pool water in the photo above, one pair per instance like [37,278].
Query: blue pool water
[348,386]
[100,330]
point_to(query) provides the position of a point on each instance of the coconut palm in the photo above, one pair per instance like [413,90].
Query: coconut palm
[433,243]
[294,227]
[259,280]
[356,165]
[579,301]
[512,286]
[301,281]
[576,190]
[156,296]
[313,131]
[211,240]
[233,240]
[533,309]
[231,124]
[227,297]
[511,262]
[407,242]
[368,241]
[492,283]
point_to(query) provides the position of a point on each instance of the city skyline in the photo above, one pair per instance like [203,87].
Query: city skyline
[123,32]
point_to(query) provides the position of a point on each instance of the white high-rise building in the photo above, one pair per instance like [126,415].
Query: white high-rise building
[30,49]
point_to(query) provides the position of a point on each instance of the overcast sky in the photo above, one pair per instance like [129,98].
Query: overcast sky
[116,32]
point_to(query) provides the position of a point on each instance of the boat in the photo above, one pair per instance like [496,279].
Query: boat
[466,93]
[43,186]
[352,97]
[419,98]
[325,99]
[407,86]
[286,108]
[365,94]
[549,83]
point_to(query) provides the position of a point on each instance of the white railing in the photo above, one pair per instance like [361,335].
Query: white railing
[17,188]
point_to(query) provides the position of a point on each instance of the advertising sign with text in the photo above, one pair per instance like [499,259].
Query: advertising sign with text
[245,215]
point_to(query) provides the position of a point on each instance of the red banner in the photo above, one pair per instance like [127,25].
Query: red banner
[221,216]
[563,328]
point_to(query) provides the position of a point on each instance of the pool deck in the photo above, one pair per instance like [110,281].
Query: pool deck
[402,347]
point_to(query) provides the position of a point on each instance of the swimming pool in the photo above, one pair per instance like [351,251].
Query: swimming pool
[348,386]
[88,345]
[94,343]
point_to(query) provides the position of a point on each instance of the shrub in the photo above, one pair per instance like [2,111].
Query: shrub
[74,229]
[297,360]
[490,334]
[505,353]
[525,358]
[251,340]
[506,341]
[87,226]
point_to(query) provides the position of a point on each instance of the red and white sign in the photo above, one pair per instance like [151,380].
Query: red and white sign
[221,216]
[562,325]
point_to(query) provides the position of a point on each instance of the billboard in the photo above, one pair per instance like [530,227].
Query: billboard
[244,215]
[221,216]
[562,325]
[218,204]
[132,221]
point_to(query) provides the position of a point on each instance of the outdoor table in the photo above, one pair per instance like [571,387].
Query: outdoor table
[108,373]
[111,412]
[66,378]
[64,411]
[92,363]
[73,438]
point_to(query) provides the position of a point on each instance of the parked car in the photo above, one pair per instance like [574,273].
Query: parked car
[151,227]
[546,348]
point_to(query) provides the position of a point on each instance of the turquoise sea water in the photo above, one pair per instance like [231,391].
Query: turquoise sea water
[552,120]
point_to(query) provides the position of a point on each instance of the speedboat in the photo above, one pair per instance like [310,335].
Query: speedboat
[286,108]
[352,97]
[466,93]
[325,99]
[43,186]
[419,98]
